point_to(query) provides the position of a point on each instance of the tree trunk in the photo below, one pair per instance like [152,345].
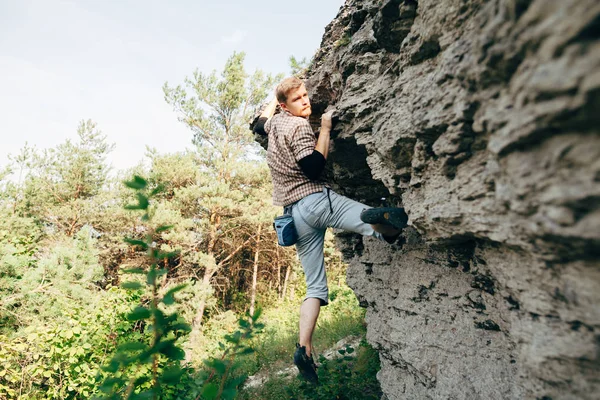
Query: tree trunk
[197,324]
[255,271]
[215,220]
[278,271]
[285,281]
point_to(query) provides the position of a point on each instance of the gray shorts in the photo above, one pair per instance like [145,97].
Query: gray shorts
[312,216]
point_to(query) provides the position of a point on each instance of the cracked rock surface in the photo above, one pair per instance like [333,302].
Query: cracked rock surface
[482,119]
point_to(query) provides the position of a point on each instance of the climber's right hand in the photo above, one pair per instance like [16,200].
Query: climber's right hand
[326,119]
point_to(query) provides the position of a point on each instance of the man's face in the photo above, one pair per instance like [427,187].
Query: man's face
[297,103]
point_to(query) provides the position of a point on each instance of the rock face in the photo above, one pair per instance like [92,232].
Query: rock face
[482,118]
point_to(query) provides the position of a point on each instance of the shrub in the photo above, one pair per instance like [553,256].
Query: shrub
[58,359]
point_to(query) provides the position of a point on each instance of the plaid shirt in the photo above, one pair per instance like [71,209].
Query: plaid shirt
[290,139]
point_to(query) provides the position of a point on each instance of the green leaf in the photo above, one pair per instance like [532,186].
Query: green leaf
[219,366]
[171,375]
[229,394]
[171,317]
[247,350]
[233,383]
[133,207]
[157,190]
[133,271]
[234,338]
[209,391]
[181,326]
[146,394]
[243,323]
[256,314]
[136,183]
[170,350]
[143,200]
[169,299]
[163,228]
[244,351]
[112,367]
[132,346]
[136,242]
[138,313]
[131,285]
[146,356]
[141,380]
[151,276]
[108,384]
[160,319]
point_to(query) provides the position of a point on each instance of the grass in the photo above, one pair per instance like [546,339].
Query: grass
[350,378]
[346,378]
[341,318]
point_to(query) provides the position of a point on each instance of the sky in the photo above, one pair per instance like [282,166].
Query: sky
[63,61]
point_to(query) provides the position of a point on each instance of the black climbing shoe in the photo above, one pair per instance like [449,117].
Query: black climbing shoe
[393,216]
[306,365]
[391,239]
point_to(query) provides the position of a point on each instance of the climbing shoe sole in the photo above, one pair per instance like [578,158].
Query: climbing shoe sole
[394,216]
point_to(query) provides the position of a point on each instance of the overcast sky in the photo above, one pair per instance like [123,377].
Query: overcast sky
[62,61]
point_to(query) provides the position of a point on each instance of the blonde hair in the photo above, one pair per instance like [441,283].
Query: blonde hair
[286,86]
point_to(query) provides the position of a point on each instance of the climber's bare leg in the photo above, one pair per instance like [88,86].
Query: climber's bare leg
[309,312]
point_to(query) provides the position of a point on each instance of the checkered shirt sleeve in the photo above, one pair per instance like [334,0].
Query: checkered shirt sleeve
[302,141]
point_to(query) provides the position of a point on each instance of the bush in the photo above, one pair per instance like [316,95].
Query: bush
[59,359]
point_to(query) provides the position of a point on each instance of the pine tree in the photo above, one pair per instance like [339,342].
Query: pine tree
[217,109]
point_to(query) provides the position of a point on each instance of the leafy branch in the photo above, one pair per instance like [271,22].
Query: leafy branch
[226,365]
[140,369]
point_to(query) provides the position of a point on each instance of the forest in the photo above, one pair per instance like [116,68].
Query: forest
[165,280]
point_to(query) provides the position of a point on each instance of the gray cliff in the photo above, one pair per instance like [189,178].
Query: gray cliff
[482,119]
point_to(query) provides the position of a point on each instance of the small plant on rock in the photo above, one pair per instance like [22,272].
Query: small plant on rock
[344,40]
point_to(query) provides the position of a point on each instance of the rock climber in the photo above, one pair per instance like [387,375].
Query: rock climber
[296,159]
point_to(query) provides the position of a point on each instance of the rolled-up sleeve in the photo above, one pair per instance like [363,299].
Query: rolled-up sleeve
[302,141]
[267,126]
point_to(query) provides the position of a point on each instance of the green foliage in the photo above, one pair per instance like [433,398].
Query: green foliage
[299,67]
[344,40]
[217,109]
[61,179]
[346,377]
[41,287]
[21,233]
[349,376]
[59,359]
[217,385]
[205,220]
[274,348]
[144,368]
[224,189]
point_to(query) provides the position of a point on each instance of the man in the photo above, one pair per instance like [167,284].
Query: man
[296,159]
